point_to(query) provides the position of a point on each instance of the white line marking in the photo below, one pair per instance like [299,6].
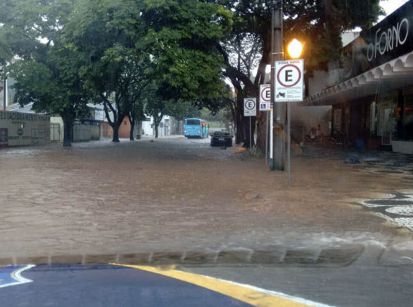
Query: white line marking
[20,280]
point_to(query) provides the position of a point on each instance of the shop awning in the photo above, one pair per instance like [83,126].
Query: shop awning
[397,73]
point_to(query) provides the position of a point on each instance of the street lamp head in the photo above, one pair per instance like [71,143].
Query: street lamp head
[295,49]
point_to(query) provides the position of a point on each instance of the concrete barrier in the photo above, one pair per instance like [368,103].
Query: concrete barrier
[86,132]
[22,129]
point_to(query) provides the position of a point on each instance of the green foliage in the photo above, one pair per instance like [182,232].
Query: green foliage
[182,37]
[51,82]
[318,23]
[182,109]
[46,70]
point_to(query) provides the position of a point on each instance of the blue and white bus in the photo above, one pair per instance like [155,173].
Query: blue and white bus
[195,128]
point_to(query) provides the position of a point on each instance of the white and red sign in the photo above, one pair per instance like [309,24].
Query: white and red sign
[265,97]
[250,107]
[289,85]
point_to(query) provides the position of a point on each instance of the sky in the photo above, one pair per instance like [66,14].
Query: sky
[390,6]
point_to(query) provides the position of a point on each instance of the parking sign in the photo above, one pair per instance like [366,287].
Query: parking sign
[250,107]
[289,85]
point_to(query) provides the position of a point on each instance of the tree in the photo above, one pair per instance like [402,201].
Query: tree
[135,115]
[182,36]
[182,109]
[155,106]
[319,23]
[43,64]
[108,33]
[52,83]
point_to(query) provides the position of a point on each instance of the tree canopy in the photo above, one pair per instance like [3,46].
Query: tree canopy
[65,53]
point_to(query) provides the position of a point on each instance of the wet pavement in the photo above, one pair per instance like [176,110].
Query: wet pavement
[102,285]
[180,201]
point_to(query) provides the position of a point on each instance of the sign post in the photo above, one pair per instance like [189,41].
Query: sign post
[289,87]
[250,110]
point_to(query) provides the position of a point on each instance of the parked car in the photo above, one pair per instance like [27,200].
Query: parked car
[221,138]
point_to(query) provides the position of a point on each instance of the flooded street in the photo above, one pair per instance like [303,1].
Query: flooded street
[175,195]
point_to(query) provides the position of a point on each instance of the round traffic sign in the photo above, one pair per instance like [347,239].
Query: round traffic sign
[289,75]
[266,93]
[250,104]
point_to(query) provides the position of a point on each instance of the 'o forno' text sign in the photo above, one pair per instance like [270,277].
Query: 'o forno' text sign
[265,97]
[250,107]
[289,85]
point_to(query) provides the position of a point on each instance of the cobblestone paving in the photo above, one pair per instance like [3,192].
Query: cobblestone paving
[181,197]
[397,208]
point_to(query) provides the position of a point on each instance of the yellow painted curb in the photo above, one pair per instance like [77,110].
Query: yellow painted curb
[244,293]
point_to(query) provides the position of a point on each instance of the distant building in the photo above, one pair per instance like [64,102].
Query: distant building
[10,93]
[168,126]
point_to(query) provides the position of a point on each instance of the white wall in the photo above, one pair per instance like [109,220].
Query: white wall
[149,130]
[25,129]
[56,129]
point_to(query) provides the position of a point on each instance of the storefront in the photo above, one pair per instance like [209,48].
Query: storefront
[372,97]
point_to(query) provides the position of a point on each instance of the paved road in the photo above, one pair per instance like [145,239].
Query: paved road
[354,286]
[115,285]
[360,284]
[105,285]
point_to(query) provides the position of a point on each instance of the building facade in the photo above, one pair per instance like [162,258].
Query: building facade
[371,89]
[22,129]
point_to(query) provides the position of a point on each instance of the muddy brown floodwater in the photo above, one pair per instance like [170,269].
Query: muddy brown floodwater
[176,195]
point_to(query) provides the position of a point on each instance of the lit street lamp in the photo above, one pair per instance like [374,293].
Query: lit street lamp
[295,49]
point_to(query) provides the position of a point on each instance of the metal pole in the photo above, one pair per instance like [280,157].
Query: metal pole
[266,136]
[5,94]
[289,140]
[271,163]
[250,134]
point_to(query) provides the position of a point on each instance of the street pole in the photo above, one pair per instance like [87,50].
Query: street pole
[289,141]
[250,134]
[271,163]
[4,94]
[267,121]
[277,145]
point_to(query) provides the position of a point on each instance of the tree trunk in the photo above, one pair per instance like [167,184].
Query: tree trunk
[261,130]
[67,130]
[132,128]
[156,131]
[239,121]
[115,128]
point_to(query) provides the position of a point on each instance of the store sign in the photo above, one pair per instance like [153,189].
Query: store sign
[387,40]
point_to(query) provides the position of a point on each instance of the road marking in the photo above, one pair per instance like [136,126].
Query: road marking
[16,277]
[245,293]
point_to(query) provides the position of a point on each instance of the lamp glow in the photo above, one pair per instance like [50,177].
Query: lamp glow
[295,49]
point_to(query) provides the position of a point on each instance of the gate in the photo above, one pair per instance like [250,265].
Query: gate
[55,133]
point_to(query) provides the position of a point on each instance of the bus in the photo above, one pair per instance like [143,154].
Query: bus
[195,128]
